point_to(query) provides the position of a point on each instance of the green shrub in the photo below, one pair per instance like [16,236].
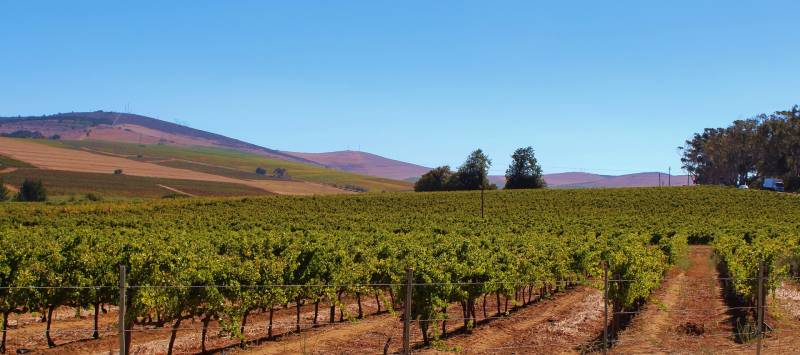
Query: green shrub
[174,195]
[32,190]
[93,197]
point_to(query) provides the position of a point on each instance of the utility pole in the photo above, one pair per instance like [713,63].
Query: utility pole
[669,176]
[659,179]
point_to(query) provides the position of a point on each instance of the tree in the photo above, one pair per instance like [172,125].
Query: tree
[280,173]
[747,151]
[473,174]
[32,190]
[524,171]
[434,180]
[261,171]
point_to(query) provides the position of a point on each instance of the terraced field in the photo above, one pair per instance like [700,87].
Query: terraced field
[203,158]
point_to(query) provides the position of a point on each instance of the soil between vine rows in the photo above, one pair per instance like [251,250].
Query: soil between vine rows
[690,315]
[556,317]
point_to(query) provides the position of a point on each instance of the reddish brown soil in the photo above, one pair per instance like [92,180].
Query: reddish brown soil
[564,323]
[689,314]
[73,335]
[686,315]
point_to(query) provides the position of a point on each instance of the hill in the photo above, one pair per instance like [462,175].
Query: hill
[364,163]
[101,142]
[589,180]
[138,137]
[216,171]
[130,128]
[55,156]
[629,180]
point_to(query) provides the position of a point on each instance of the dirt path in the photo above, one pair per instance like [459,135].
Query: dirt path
[687,313]
[322,340]
[558,325]
[175,190]
[95,151]
[690,315]
[11,188]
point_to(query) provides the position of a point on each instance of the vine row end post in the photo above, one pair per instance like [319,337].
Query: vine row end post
[605,307]
[121,311]
[407,311]
[760,306]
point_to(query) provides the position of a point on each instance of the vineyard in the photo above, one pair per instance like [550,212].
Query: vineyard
[231,260]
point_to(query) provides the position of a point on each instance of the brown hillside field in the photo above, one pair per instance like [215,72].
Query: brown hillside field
[130,133]
[365,163]
[52,158]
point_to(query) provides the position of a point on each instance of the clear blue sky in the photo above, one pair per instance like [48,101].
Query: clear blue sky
[592,85]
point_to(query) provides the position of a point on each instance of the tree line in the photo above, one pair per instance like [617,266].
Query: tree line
[747,151]
[524,172]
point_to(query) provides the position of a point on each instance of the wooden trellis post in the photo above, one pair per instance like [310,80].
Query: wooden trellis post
[407,311]
[122,302]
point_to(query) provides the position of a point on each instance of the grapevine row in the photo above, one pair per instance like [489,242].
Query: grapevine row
[179,253]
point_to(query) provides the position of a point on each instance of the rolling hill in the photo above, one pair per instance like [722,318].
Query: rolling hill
[103,126]
[586,180]
[364,163]
[47,158]
[91,146]
[130,128]
[589,180]
[174,151]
